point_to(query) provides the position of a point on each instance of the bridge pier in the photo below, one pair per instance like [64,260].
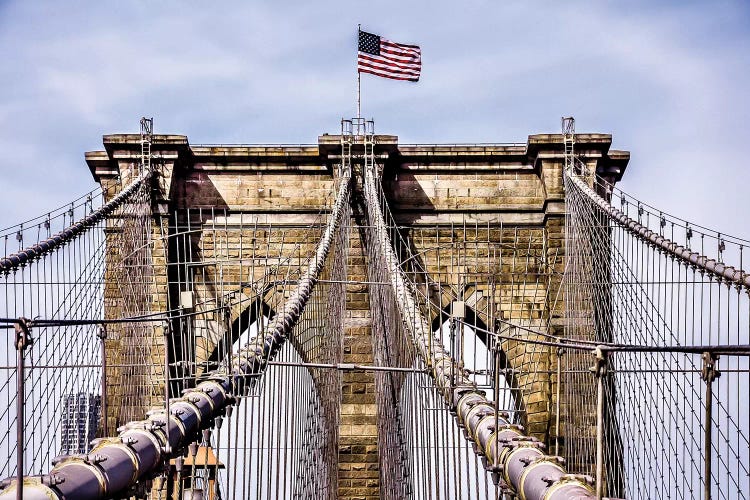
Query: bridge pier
[434,193]
[359,472]
[136,274]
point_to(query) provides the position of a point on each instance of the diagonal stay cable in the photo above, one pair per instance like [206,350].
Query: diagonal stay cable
[525,468]
[15,260]
[684,254]
[117,463]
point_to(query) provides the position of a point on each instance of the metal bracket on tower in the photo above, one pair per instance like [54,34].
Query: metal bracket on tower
[573,165]
[147,134]
[569,140]
[347,140]
[368,133]
[357,131]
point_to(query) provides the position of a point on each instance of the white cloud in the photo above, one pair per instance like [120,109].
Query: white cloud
[666,80]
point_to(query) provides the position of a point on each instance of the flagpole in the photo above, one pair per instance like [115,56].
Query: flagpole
[359,79]
[359,103]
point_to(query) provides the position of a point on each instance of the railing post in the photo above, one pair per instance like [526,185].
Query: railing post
[458,312]
[496,349]
[600,370]
[709,373]
[23,341]
[102,334]
[557,402]
[452,334]
[166,329]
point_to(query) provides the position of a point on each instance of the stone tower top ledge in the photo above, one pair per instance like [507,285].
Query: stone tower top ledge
[318,158]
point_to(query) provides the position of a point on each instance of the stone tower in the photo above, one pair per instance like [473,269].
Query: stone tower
[453,201]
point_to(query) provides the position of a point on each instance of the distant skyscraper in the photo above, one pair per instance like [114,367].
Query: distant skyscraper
[80,418]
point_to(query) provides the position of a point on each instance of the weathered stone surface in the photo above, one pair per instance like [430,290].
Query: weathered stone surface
[456,202]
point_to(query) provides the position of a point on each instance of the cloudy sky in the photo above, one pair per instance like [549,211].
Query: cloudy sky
[667,79]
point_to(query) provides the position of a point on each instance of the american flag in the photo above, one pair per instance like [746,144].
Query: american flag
[382,57]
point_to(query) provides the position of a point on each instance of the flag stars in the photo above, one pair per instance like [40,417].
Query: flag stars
[369,43]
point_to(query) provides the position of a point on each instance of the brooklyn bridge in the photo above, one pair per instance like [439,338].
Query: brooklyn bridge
[365,319]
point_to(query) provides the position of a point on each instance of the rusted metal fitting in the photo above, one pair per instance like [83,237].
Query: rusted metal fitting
[599,369]
[709,371]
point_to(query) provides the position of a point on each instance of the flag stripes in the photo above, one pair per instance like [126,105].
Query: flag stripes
[388,59]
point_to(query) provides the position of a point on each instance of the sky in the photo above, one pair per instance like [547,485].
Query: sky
[667,79]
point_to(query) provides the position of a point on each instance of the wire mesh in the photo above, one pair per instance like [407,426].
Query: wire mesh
[63,372]
[619,341]
[17,236]
[622,289]
[423,452]
[234,272]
